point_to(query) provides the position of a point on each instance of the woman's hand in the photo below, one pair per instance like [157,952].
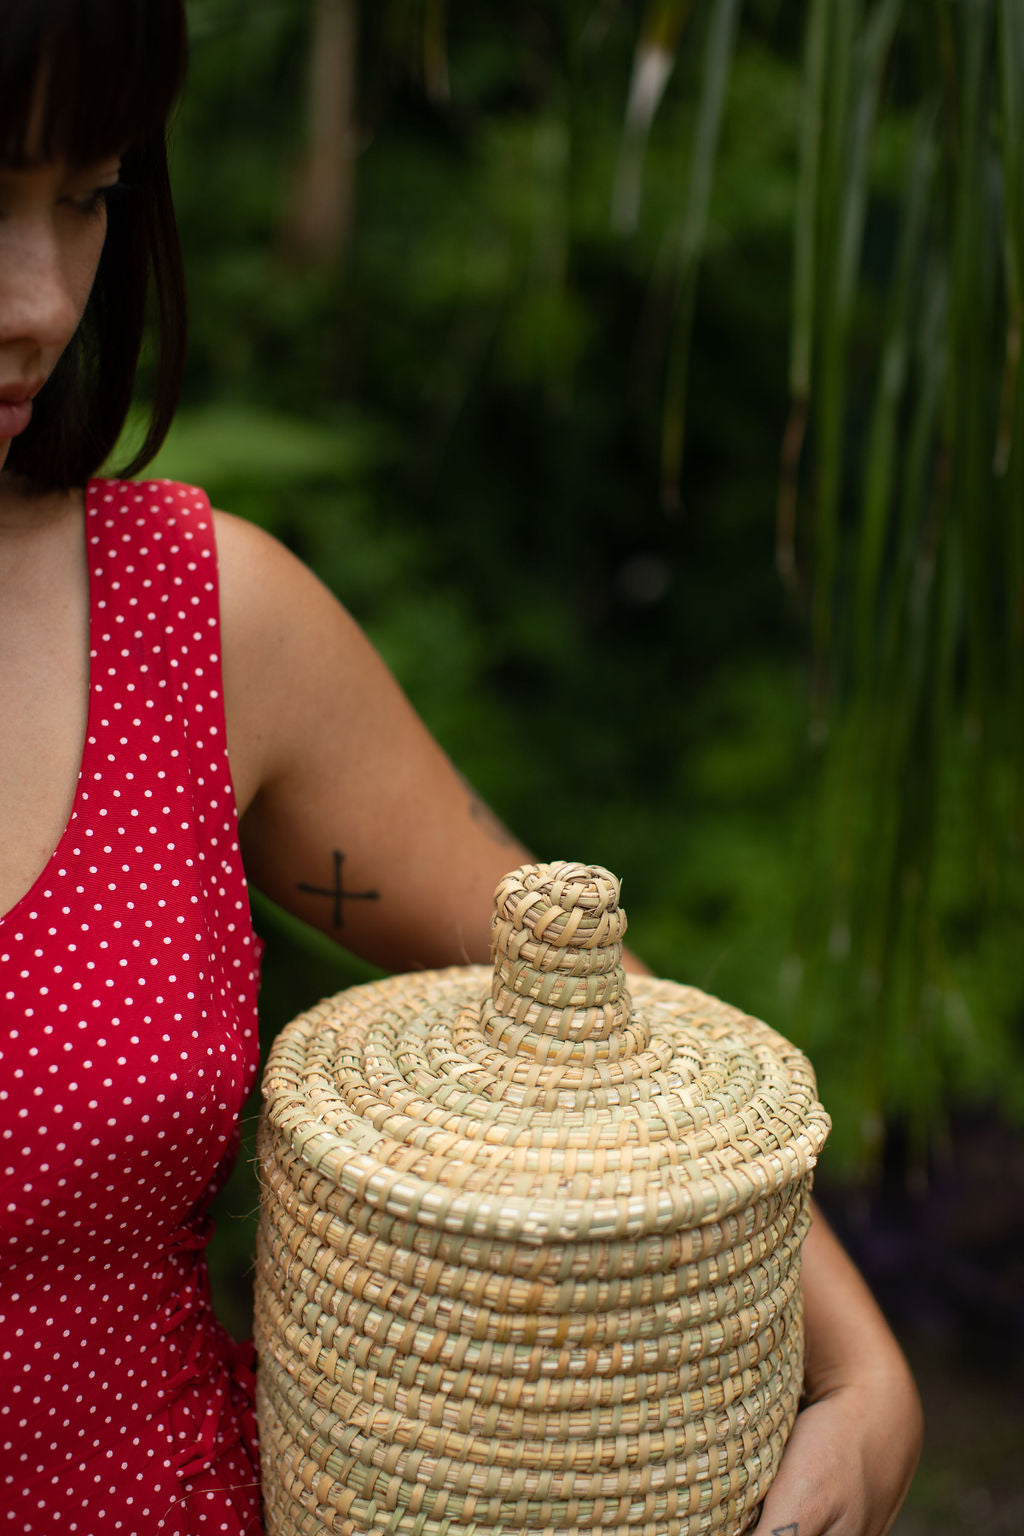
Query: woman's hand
[855,1444]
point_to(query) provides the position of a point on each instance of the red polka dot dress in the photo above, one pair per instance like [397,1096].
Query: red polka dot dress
[128,980]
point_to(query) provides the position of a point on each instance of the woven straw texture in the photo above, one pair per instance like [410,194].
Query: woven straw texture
[529,1245]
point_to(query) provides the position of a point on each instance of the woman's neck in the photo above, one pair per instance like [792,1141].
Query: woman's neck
[25,507]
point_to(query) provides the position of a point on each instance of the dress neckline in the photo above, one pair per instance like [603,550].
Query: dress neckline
[24,901]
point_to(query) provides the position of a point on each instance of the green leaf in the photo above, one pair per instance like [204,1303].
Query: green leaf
[240,443]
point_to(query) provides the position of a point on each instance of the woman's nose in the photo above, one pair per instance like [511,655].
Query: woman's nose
[38,304]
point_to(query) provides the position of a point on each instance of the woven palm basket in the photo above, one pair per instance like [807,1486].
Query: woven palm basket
[529,1246]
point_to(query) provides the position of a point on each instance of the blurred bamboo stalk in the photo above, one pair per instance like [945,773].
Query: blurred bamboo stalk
[318,225]
[1009,460]
[689,244]
[910,559]
[919,691]
[805,276]
[660,35]
[880,492]
[435,51]
[855,61]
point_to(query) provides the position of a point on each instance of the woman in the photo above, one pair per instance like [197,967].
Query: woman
[185,708]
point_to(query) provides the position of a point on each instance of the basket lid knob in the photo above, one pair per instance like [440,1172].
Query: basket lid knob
[558,990]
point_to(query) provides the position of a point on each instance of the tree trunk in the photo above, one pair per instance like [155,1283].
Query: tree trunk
[319,223]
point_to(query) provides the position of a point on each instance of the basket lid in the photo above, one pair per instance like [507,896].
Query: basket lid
[555,1103]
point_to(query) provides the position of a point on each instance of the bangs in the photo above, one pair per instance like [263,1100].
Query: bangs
[81,80]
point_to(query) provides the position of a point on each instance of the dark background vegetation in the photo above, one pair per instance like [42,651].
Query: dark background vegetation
[691,524]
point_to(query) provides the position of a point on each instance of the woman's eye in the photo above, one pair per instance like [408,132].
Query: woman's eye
[92,202]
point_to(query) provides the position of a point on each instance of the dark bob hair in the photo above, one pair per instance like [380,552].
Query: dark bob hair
[90,79]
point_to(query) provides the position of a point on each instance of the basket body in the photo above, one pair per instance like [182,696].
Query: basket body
[497,1293]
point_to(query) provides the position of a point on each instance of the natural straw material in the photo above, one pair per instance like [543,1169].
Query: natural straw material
[529,1246]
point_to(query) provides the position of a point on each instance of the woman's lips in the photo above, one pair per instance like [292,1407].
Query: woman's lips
[15,416]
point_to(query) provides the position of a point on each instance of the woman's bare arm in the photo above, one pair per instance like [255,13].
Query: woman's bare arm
[352,817]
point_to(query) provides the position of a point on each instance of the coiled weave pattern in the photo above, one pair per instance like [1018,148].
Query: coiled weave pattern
[529,1245]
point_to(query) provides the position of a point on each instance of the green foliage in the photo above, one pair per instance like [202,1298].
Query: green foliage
[915,552]
[535,445]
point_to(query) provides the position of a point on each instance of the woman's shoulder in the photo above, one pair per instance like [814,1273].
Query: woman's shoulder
[275,612]
[285,638]
[260,580]
[247,554]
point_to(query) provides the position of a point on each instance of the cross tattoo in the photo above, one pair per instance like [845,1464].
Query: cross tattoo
[337,891]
